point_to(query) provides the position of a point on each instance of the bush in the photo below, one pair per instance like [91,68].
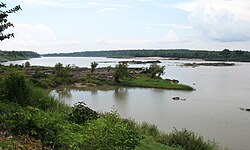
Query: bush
[93,66]
[81,113]
[51,128]
[16,89]
[109,132]
[121,71]
[155,70]
[186,139]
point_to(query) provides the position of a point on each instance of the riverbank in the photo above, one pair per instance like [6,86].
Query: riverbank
[32,119]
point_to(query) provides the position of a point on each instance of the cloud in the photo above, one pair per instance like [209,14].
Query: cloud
[106,9]
[121,5]
[94,3]
[220,20]
[37,37]
[110,7]
[169,25]
[170,37]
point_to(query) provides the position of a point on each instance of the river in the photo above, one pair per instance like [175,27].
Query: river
[212,110]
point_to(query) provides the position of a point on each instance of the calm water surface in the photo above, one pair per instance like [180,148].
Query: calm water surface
[212,110]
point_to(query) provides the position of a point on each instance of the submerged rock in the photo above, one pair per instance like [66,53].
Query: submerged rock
[176,98]
[245,109]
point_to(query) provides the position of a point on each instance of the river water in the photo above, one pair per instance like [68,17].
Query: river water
[212,110]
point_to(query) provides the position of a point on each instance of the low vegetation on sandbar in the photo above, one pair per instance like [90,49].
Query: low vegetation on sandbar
[120,75]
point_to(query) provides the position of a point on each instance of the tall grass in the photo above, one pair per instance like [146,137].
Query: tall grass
[187,140]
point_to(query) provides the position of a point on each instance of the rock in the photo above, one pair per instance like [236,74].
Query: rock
[172,81]
[90,84]
[245,109]
[176,98]
[175,81]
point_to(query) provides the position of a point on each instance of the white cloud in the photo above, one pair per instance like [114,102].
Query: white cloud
[106,9]
[37,37]
[169,25]
[220,20]
[121,5]
[94,3]
[170,37]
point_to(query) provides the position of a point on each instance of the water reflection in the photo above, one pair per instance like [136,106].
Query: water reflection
[64,93]
[121,93]
[94,92]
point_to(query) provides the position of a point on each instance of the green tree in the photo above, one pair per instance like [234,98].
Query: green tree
[155,70]
[225,53]
[121,71]
[16,89]
[27,64]
[4,24]
[61,71]
[93,66]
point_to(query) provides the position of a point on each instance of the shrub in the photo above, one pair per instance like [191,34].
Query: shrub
[186,139]
[93,66]
[81,113]
[121,71]
[16,89]
[155,70]
[109,132]
[51,128]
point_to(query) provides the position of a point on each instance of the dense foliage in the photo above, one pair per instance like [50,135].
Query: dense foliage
[225,55]
[81,113]
[186,139]
[16,89]
[121,72]
[155,70]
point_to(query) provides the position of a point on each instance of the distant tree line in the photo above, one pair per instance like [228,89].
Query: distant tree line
[225,55]
[16,55]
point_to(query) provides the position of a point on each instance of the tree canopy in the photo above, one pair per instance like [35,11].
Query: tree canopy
[4,23]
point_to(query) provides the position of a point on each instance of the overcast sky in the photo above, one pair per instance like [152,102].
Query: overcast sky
[48,26]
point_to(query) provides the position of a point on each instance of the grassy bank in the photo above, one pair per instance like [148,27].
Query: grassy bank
[30,118]
[147,82]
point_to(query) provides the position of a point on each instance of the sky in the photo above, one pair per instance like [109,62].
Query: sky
[52,26]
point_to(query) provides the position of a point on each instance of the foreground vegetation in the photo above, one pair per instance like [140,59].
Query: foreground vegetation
[31,118]
[225,55]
